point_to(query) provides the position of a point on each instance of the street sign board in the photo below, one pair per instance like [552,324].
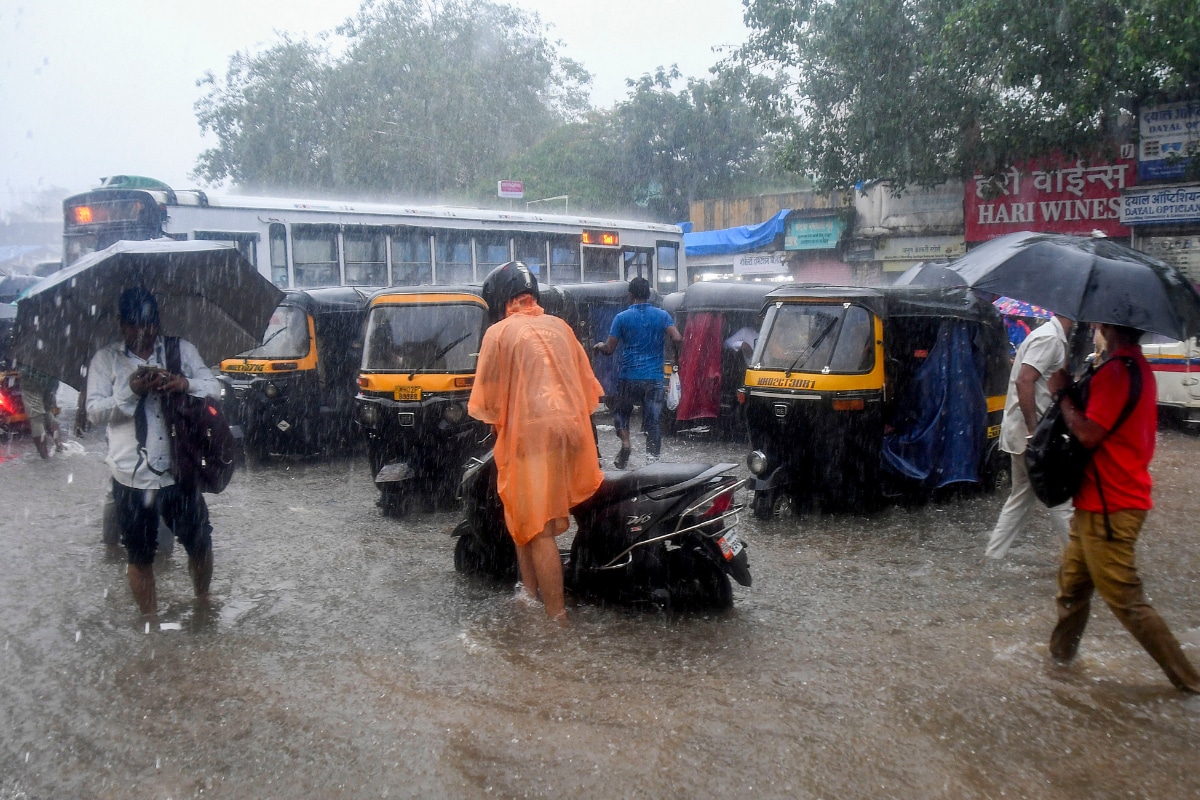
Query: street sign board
[511,189]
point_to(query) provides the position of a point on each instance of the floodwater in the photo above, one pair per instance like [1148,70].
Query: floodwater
[873,657]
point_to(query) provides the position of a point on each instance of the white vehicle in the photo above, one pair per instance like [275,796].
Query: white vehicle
[307,243]
[1176,368]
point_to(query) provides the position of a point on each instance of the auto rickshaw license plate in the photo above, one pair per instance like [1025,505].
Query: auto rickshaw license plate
[406,393]
[730,545]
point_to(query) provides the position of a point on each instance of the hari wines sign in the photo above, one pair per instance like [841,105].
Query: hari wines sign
[1079,197]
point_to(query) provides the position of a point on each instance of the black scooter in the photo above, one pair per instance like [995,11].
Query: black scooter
[662,535]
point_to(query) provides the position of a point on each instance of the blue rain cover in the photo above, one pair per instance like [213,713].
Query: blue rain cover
[940,431]
[735,240]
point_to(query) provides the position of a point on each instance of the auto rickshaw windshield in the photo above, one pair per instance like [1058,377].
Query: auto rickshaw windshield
[816,337]
[441,337]
[286,335]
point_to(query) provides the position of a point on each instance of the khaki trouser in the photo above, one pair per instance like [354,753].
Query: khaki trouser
[1090,561]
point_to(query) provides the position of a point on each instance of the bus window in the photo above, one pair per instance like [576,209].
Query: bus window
[668,266]
[411,262]
[637,264]
[531,250]
[365,262]
[315,255]
[601,265]
[564,259]
[277,238]
[491,250]
[453,257]
[247,243]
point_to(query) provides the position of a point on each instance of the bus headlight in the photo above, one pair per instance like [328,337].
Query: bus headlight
[369,412]
[454,413]
[757,462]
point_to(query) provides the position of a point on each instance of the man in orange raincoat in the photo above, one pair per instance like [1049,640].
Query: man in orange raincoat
[534,384]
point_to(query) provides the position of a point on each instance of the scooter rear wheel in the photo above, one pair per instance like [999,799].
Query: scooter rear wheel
[694,582]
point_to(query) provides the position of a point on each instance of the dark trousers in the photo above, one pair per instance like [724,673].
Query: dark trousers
[652,397]
[1093,561]
[184,511]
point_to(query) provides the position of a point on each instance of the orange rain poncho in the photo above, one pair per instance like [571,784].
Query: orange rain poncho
[534,383]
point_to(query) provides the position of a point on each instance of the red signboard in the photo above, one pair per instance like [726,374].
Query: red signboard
[1053,197]
[513,189]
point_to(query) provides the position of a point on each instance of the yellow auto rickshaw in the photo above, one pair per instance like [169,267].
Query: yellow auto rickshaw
[420,346]
[853,395]
[295,391]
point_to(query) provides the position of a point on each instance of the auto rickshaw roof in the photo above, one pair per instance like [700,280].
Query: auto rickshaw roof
[725,296]
[602,292]
[473,289]
[329,300]
[673,302]
[958,302]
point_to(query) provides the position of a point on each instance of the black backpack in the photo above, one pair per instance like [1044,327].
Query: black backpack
[203,448]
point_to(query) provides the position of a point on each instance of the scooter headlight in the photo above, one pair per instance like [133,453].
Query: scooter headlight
[454,413]
[757,462]
[271,391]
[369,413]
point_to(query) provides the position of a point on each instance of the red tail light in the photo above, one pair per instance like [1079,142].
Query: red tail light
[719,505]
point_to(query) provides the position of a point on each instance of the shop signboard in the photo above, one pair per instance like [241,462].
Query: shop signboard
[1053,196]
[513,190]
[813,233]
[1167,134]
[1182,252]
[758,263]
[1159,205]
[920,248]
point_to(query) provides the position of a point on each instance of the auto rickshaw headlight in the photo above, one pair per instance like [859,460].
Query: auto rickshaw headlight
[271,391]
[454,413]
[757,462]
[369,414]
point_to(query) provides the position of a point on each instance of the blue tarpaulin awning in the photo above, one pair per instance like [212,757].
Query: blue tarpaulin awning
[735,240]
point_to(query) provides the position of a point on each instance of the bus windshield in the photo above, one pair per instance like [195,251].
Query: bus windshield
[442,337]
[286,335]
[817,338]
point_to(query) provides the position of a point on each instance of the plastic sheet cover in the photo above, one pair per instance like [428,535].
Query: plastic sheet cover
[940,431]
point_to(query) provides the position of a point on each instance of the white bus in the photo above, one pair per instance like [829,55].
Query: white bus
[306,243]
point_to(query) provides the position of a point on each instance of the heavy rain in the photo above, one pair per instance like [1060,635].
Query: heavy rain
[826,286]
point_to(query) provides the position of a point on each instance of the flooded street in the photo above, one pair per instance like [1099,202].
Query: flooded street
[873,657]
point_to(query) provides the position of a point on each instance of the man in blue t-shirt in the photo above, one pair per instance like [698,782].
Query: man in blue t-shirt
[640,328]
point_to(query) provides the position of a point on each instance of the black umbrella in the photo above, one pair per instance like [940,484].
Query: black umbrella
[1085,279]
[930,273]
[207,293]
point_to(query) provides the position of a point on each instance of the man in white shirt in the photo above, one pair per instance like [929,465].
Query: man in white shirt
[128,379]
[1043,353]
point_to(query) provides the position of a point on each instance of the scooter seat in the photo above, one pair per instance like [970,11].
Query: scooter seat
[621,485]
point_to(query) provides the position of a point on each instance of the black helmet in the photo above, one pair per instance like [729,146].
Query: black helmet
[504,283]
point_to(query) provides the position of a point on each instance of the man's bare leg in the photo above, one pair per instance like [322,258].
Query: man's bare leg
[547,564]
[528,573]
[201,571]
[141,584]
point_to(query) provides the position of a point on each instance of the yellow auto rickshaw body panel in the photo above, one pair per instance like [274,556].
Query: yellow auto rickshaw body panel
[799,380]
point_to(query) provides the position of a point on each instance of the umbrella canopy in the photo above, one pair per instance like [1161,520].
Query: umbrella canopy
[1019,308]
[207,293]
[930,273]
[1086,279]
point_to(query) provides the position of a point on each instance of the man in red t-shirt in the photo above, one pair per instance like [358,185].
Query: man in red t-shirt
[1110,508]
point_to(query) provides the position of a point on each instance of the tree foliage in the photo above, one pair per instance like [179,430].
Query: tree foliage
[923,90]
[656,151]
[427,98]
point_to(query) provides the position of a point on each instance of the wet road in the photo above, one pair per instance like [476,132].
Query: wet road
[874,657]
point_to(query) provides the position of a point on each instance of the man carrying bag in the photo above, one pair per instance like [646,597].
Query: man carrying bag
[1110,507]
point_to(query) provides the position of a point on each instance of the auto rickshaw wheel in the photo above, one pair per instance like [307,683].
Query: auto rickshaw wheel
[467,558]
[395,501]
[770,503]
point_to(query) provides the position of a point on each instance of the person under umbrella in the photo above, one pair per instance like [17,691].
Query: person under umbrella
[126,384]
[1110,507]
[1043,353]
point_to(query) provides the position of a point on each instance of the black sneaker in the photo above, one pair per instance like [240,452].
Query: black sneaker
[622,458]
